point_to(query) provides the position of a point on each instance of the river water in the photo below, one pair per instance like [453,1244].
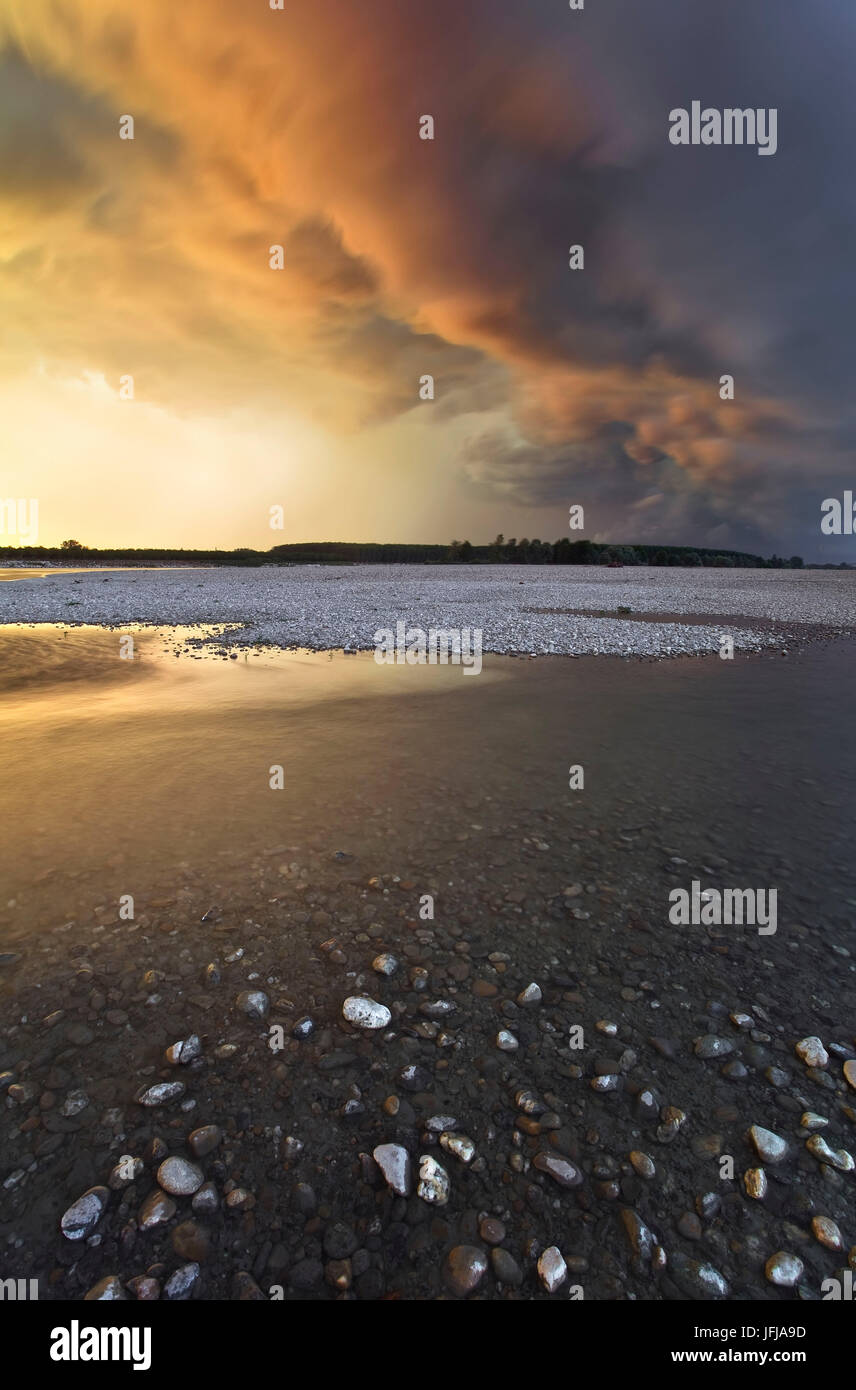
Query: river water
[143,840]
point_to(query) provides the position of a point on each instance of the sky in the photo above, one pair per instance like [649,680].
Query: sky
[299,388]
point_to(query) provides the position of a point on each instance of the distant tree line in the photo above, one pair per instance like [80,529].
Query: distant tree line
[501,551]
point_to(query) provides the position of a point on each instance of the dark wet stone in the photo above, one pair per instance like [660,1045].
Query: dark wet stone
[505,1268]
[204,1140]
[561,1170]
[245,1289]
[466,1266]
[191,1242]
[306,1275]
[340,1241]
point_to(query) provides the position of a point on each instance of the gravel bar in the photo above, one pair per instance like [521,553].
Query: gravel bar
[517,608]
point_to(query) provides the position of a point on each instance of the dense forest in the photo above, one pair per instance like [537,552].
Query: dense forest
[501,551]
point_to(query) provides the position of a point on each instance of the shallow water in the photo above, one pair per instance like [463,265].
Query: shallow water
[150,778]
[120,774]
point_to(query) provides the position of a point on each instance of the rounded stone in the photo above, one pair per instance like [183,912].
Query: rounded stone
[82,1216]
[466,1266]
[827,1232]
[784,1269]
[385,964]
[505,1268]
[552,1270]
[179,1177]
[642,1164]
[491,1230]
[191,1242]
[755,1183]
[366,1013]
[156,1210]
[204,1140]
[812,1051]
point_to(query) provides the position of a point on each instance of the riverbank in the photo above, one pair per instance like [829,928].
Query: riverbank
[571,610]
[402,798]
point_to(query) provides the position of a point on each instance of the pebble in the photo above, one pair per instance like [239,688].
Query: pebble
[437,1008]
[437,1123]
[642,1164]
[460,1145]
[466,1266]
[179,1177]
[530,995]
[156,1210]
[434,1185]
[303,1028]
[611,1081]
[108,1289]
[393,1160]
[689,1225]
[561,1170]
[742,1021]
[181,1053]
[239,1199]
[642,1240]
[769,1146]
[82,1216]
[755,1183]
[840,1159]
[74,1102]
[812,1051]
[385,964]
[145,1289]
[161,1093]
[784,1269]
[206,1200]
[253,1002]
[492,1230]
[850,1073]
[697,1279]
[181,1284]
[673,1121]
[826,1231]
[711,1046]
[505,1268]
[552,1270]
[810,1120]
[414,1078]
[506,1042]
[204,1140]
[366,1013]
[191,1242]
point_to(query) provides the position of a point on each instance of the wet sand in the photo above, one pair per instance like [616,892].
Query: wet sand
[151,779]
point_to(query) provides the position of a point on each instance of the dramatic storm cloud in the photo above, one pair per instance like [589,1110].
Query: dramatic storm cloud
[406,257]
